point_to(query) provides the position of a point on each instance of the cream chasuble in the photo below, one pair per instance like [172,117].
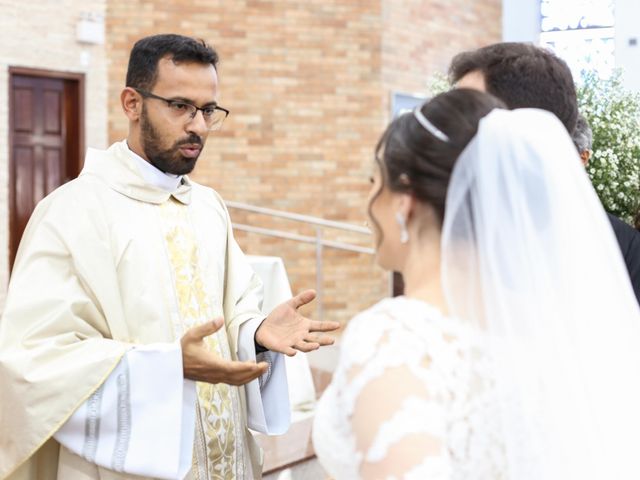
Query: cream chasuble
[107,263]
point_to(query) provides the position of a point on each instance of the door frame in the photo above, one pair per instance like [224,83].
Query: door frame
[79,78]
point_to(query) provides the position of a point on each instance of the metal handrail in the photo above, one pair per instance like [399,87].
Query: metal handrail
[299,218]
[318,240]
[302,238]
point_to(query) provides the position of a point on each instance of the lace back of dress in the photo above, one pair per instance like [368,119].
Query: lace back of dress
[410,376]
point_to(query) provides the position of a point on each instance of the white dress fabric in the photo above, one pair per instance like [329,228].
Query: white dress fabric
[421,381]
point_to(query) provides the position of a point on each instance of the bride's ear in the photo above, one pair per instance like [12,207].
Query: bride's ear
[404,201]
[404,205]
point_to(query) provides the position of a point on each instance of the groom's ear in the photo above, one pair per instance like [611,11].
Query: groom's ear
[585,156]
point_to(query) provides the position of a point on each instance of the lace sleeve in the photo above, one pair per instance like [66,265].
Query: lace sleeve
[398,400]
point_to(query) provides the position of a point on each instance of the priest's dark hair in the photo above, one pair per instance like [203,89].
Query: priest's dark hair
[142,71]
[523,75]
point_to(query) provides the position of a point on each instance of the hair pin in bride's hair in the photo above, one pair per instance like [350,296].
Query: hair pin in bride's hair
[428,126]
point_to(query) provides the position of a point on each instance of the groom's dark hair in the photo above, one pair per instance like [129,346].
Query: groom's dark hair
[523,76]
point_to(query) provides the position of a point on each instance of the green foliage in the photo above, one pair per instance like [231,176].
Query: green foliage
[438,83]
[614,116]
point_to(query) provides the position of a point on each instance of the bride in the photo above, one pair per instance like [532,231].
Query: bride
[515,352]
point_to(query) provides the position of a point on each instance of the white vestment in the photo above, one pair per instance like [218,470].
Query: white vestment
[112,269]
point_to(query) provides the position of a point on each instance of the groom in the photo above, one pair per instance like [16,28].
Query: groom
[525,76]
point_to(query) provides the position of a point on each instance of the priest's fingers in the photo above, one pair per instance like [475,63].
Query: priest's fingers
[302,298]
[323,326]
[288,351]
[249,371]
[307,346]
[239,373]
[198,332]
[320,339]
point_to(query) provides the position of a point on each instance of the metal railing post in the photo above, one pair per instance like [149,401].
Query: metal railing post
[319,288]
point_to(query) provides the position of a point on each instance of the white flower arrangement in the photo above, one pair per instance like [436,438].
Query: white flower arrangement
[614,116]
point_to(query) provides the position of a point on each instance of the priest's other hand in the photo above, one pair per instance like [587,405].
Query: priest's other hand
[286,331]
[202,365]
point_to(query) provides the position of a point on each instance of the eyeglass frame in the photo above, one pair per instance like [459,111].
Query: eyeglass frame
[147,94]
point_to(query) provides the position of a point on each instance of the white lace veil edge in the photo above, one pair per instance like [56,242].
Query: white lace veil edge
[531,262]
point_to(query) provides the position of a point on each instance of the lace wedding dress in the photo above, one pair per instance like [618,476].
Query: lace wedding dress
[411,398]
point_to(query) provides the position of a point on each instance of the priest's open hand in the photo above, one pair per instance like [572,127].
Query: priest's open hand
[286,331]
[203,365]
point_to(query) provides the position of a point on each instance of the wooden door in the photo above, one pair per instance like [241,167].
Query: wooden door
[44,124]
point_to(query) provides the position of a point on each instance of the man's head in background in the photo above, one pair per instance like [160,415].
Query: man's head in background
[522,76]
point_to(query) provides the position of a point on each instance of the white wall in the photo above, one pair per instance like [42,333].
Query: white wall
[42,35]
[521,23]
[627,30]
[521,20]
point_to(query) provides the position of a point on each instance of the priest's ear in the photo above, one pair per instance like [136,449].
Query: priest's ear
[131,103]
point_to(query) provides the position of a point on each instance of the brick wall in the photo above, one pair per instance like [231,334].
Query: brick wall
[421,36]
[308,84]
[43,36]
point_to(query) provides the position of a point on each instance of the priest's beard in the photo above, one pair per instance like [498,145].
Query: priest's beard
[166,160]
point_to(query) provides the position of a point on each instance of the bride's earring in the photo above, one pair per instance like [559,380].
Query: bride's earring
[404,233]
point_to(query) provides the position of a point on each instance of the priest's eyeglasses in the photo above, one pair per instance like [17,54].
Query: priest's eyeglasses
[213,115]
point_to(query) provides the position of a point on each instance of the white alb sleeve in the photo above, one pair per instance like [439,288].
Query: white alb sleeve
[141,420]
[267,397]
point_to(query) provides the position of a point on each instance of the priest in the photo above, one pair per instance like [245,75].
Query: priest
[132,344]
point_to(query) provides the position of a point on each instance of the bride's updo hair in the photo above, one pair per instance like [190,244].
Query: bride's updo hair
[413,160]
